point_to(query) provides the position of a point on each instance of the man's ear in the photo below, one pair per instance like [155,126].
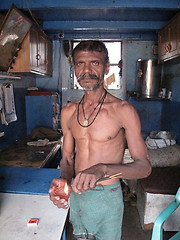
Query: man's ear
[107,68]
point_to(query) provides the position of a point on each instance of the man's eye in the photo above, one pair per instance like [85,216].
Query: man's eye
[95,63]
[79,63]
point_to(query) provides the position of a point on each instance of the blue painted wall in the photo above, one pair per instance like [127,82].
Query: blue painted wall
[150,114]
[41,111]
[171,118]
[172,69]
[171,109]
[17,129]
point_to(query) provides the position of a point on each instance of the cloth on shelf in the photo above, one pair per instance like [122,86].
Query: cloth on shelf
[159,143]
[160,139]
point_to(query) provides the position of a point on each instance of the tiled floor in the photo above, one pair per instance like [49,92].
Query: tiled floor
[131,229]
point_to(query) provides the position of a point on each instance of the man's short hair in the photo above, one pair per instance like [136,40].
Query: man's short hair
[91,46]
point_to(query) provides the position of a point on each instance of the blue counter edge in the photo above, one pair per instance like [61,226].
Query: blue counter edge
[27,180]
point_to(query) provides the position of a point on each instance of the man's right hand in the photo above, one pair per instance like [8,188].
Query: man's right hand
[56,193]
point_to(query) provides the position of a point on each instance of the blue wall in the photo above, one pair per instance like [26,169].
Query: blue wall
[172,69]
[171,109]
[171,118]
[150,114]
[17,129]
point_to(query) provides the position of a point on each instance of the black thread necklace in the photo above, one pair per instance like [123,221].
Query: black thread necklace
[86,120]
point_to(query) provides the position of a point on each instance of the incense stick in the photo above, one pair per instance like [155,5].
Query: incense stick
[117,175]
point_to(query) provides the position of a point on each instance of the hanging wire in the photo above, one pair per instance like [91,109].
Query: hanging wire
[31,13]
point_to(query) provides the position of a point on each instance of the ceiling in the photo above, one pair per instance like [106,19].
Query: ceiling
[99,19]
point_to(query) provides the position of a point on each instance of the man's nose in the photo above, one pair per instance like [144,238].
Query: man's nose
[87,68]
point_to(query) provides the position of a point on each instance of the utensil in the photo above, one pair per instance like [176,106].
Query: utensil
[117,175]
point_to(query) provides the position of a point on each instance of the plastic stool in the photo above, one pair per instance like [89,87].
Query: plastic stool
[157,233]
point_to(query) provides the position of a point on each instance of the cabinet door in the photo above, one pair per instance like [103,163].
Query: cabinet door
[41,53]
[163,40]
[35,55]
[169,40]
[22,62]
[49,53]
[174,38]
[33,49]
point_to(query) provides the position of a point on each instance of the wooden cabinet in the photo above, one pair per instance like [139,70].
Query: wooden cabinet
[169,40]
[49,54]
[35,55]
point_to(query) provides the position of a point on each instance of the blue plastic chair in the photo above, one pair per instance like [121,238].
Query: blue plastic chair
[157,233]
[64,235]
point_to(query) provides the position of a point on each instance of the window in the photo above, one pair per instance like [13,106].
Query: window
[112,80]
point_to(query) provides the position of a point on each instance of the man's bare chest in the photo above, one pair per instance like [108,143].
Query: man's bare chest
[103,128]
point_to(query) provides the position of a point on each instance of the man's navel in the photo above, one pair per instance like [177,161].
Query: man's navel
[109,138]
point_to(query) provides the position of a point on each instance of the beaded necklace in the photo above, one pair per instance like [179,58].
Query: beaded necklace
[86,120]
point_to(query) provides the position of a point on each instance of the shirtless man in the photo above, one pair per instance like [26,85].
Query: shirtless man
[96,129]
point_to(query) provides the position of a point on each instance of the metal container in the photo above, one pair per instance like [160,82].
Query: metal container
[148,78]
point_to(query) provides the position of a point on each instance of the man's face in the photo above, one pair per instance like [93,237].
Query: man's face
[90,68]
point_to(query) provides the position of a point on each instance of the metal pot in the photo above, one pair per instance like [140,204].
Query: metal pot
[148,78]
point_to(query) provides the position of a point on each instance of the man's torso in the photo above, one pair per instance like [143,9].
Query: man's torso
[101,142]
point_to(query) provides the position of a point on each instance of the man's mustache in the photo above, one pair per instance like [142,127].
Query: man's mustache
[83,76]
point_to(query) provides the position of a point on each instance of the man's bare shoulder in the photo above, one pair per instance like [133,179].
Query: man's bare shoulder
[70,108]
[126,109]
[120,104]
[122,109]
[127,114]
[126,106]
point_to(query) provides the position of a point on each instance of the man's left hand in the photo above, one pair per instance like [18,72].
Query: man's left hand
[87,179]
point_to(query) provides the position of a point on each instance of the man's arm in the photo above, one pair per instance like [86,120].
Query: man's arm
[141,166]
[66,163]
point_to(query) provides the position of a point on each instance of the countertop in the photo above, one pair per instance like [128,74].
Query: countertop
[24,195]
[21,155]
